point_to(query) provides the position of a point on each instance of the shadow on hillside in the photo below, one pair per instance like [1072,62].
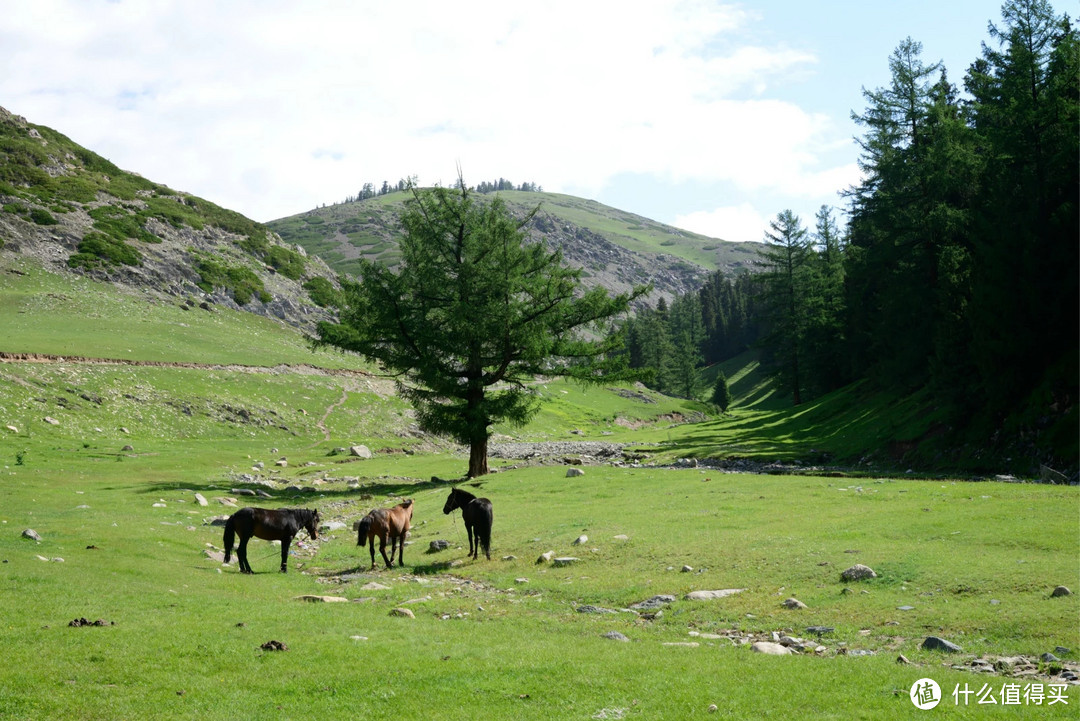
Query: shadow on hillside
[371,490]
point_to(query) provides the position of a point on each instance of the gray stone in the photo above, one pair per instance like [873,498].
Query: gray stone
[322,599]
[546,557]
[770,649]
[402,613]
[1049,658]
[565,561]
[857,573]
[31,534]
[905,608]
[820,630]
[580,540]
[1060,591]
[51,421]
[933,643]
[861,652]
[794,604]
[331,526]
[589,608]
[574,472]
[201,499]
[438,545]
[712,595]
[374,586]
[360,451]
[616,636]
[687,569]
[243,491]
[653,603]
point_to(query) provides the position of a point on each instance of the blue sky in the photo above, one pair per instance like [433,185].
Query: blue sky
[710,116]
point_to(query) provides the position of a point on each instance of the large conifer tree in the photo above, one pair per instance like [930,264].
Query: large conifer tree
[472,316]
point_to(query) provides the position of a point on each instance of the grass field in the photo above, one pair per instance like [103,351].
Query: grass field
[974,563]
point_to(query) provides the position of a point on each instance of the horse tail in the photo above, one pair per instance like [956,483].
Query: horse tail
[363,529]
[230,533]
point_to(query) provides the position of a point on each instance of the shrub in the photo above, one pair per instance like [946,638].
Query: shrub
[42,217]
[322,292]
[287,262]
[241,282]
[97,249]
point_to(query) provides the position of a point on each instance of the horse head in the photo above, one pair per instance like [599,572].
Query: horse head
[312,524]
[451,501]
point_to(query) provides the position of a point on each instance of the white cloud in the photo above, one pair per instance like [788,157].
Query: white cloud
[739,223]
[274,107]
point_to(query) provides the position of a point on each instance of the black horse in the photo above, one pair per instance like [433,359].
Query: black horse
[270,525]
[476,512]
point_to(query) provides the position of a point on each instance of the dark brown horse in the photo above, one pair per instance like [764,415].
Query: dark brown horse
[269,525]
[387,523]
[477,515]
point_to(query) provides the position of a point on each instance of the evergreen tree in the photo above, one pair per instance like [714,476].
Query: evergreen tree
[472,315]
[721,395]
[784,289]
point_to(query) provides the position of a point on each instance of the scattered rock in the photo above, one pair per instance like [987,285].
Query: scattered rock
[713,708]
[564,561]
[902,659]
[374,586]
[711,595]
[1049,658]
[402,613]
[770,649]
[580,540]
[51,421]
[159,505]
[322,599]
[794,604]
[31,534]
[200,499]
[283,463]
[274,646]
[653,603]
[933,643]
[546,557]
[574,472]
[905,608]
[1060,591]
[820,630]
[360,451]
[13,429]
[80,622]
[857,573]
[127,448]
[616,636]
[589,608]
[331,526]
[686,569]
[216,556]
[684,644]
[621,537]
[438,545]
[521,580]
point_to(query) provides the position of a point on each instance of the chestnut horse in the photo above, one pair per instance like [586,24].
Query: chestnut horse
[392,523]
[477,515]
[269,525]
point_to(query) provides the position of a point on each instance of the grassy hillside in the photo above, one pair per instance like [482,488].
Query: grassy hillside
[612,246]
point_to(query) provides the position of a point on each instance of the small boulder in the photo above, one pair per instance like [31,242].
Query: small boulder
[565,561]
[546,557]
[616,636]
[438,545]
[360,451]
[201,499]
[857,573]
[31,534]
[322,599]
[794,604]
[770,649]
[712,595]
[402,613]
[580,540]
[574,472]
[1060,591]
[933,643]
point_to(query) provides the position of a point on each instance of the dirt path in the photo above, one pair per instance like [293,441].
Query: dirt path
[301,368]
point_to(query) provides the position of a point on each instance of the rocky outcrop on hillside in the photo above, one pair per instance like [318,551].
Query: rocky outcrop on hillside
[46,220]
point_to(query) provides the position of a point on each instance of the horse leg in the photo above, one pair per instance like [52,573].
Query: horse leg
[371,542]
[241,554]
[285,543]
[400,550]
[382,550]
[468,530]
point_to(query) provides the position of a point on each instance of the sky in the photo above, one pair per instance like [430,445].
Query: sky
[710,116]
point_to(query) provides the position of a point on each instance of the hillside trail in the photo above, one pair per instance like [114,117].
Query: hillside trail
[301,368]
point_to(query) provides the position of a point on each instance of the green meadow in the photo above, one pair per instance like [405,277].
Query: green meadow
[971,562]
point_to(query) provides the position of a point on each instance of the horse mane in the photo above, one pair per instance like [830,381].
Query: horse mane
[461,492]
